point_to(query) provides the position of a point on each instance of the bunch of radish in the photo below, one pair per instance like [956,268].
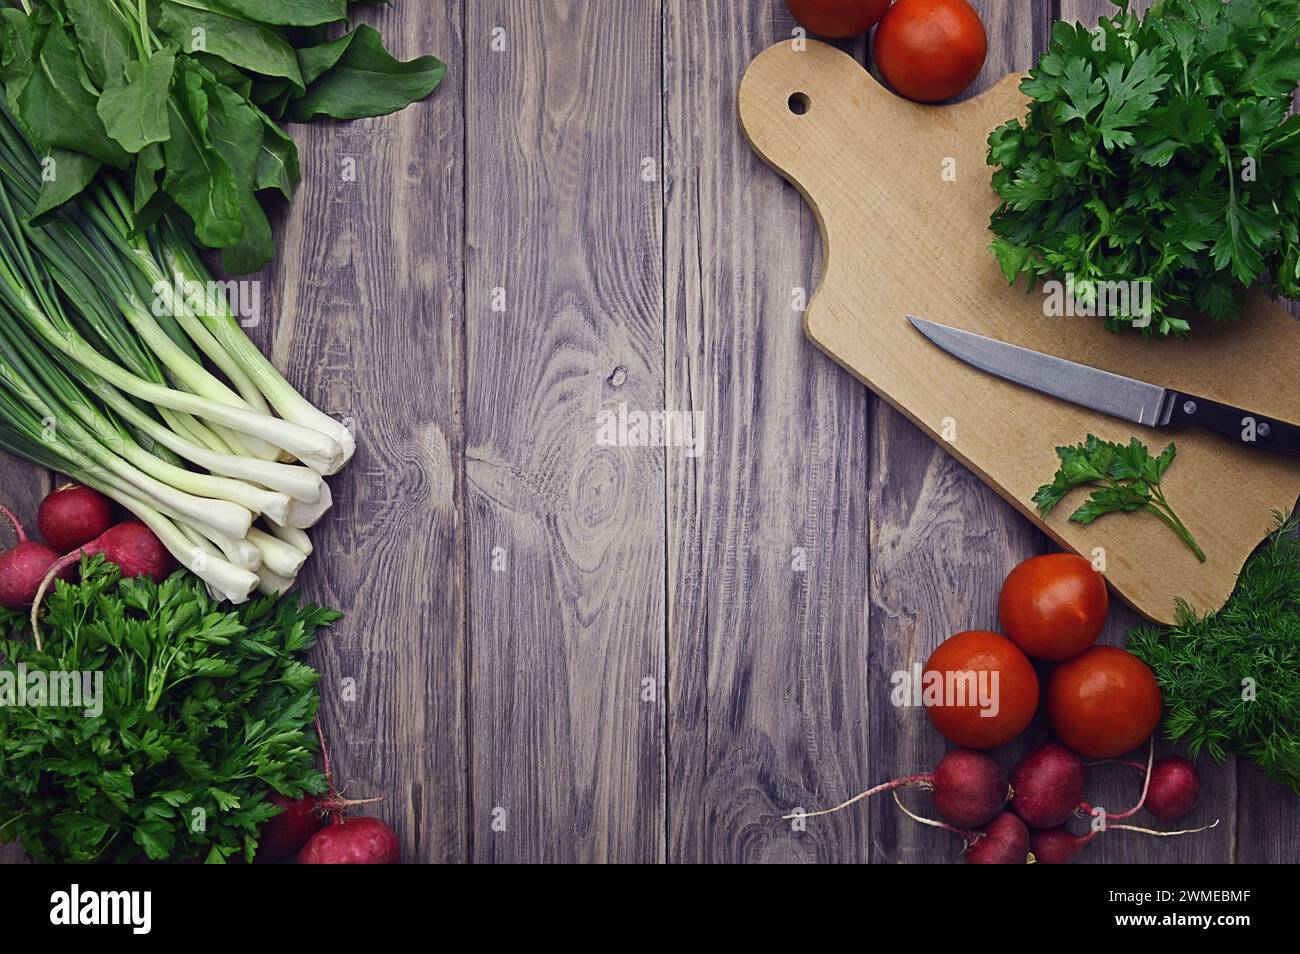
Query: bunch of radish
[1021,819]
[315,830]
[76,522]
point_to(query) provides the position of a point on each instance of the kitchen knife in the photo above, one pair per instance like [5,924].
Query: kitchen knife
[1109,393]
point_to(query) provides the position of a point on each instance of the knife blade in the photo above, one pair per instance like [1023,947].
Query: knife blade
[1110,393]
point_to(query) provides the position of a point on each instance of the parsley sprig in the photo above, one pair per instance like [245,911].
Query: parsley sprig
[1158,150]
[206,709]
[1231,679]
[1126,478]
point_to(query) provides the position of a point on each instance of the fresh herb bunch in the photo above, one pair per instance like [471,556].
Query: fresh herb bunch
[182,100]
[1231,679]
[206,710]
[1159,150]
[1126,478]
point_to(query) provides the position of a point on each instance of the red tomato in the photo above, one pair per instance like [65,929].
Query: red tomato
[1104,702]
[1053,606]
[930,50]
[837,18]
[1015,690]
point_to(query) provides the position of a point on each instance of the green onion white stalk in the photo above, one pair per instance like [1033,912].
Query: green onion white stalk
[296,538]
[303,515]
[170,410]
[277,556]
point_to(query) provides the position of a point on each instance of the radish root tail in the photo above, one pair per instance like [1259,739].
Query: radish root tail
[970,837]
[1163,834]
[1085,809]
[59,565]
[920,781]
[17,525]
[334,804]
[1146,781]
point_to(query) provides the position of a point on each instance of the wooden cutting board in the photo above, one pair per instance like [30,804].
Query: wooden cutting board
[902,194]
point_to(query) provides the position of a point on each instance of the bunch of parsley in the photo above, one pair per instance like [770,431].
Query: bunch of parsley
[1231,679]
[1159,150]
[206,709]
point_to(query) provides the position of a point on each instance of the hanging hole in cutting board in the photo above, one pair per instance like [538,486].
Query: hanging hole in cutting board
[798,103]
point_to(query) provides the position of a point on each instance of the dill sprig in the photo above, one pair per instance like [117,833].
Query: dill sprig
[1231,679]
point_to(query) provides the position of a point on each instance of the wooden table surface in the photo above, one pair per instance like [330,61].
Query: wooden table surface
[561,651]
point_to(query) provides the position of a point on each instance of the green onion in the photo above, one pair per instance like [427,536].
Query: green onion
[170,410]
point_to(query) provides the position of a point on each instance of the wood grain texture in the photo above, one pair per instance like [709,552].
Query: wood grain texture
[767,627]
[366,320]
[566,565]
[767,529]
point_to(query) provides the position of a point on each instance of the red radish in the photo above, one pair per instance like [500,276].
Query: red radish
[969,789]
[131,545]
[1174,788]
[1047,785]
[72,516]
[348,841]
[1056,846]
[1005,841]
[283,836]
[24,567]
[352,841]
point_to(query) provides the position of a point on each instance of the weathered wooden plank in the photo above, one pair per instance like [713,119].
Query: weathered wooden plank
[1267,819]
[564,311]
[767,528]
[22,485]
[365,318]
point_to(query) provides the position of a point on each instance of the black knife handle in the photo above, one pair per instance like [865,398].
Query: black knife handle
[1253,430]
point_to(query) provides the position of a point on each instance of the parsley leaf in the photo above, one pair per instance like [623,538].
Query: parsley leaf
[206,709]
[1157,151]
[1125,478]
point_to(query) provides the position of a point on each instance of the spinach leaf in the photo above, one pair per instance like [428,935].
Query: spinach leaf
[19,33]
[277,163]
[197,175]
[289,12]
[147,166]
[104,38]
[64,176]
[364,79]
[247,44]
[187,99]
[236,130]
[134,109]
[59,107]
